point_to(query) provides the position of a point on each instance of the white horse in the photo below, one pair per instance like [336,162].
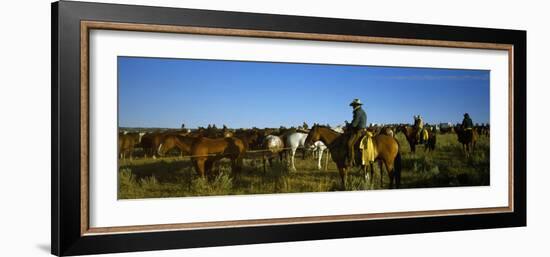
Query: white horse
[295,140]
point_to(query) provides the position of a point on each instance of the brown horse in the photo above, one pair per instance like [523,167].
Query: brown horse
[182,143]
[411,136]
[430,144]
[251,137]
[482,130]
[205,151]
[468,138]
[386,152]
[151,142]
[127,143]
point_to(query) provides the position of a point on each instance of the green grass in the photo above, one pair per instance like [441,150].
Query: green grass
[447,166]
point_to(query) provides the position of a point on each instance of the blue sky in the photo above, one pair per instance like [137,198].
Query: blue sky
[159,92]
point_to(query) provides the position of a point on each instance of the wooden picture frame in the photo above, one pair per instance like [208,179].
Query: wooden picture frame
[71,25]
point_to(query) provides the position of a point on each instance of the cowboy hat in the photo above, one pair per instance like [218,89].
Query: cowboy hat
[355,102]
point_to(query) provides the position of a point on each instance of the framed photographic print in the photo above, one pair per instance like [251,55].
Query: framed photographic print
[178,128]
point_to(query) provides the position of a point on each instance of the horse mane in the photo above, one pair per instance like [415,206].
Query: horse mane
[320,126]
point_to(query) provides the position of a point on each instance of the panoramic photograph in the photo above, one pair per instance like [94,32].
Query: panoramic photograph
[193,127]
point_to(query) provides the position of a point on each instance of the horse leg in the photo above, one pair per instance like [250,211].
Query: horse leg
[264,162]
[326,160]
[208,164]
[236,165]
[270,161]
[320,156]
[292,154]
[365,172]
[343,177]
[199,166]
[281,158]
[397,178]
[392,178]
[371,164]
[380,164]
[391,173]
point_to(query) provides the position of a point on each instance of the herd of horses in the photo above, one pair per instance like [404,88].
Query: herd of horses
[206,146]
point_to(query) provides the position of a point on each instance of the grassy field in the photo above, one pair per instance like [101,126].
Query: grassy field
[447,166]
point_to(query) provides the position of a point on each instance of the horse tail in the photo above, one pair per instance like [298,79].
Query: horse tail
[397,169]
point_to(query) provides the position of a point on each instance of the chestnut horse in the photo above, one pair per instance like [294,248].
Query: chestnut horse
[410,134]
[386,152]
[182,143]
[205,151]
[151,142]
[127,143]
[467,137]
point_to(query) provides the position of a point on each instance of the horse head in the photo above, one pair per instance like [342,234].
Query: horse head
[402,128]
[164,146]
[313,136]
[227,133]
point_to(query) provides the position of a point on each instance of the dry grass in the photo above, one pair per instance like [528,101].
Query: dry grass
[174,177]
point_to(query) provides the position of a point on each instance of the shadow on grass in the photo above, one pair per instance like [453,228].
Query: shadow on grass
[163,170]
